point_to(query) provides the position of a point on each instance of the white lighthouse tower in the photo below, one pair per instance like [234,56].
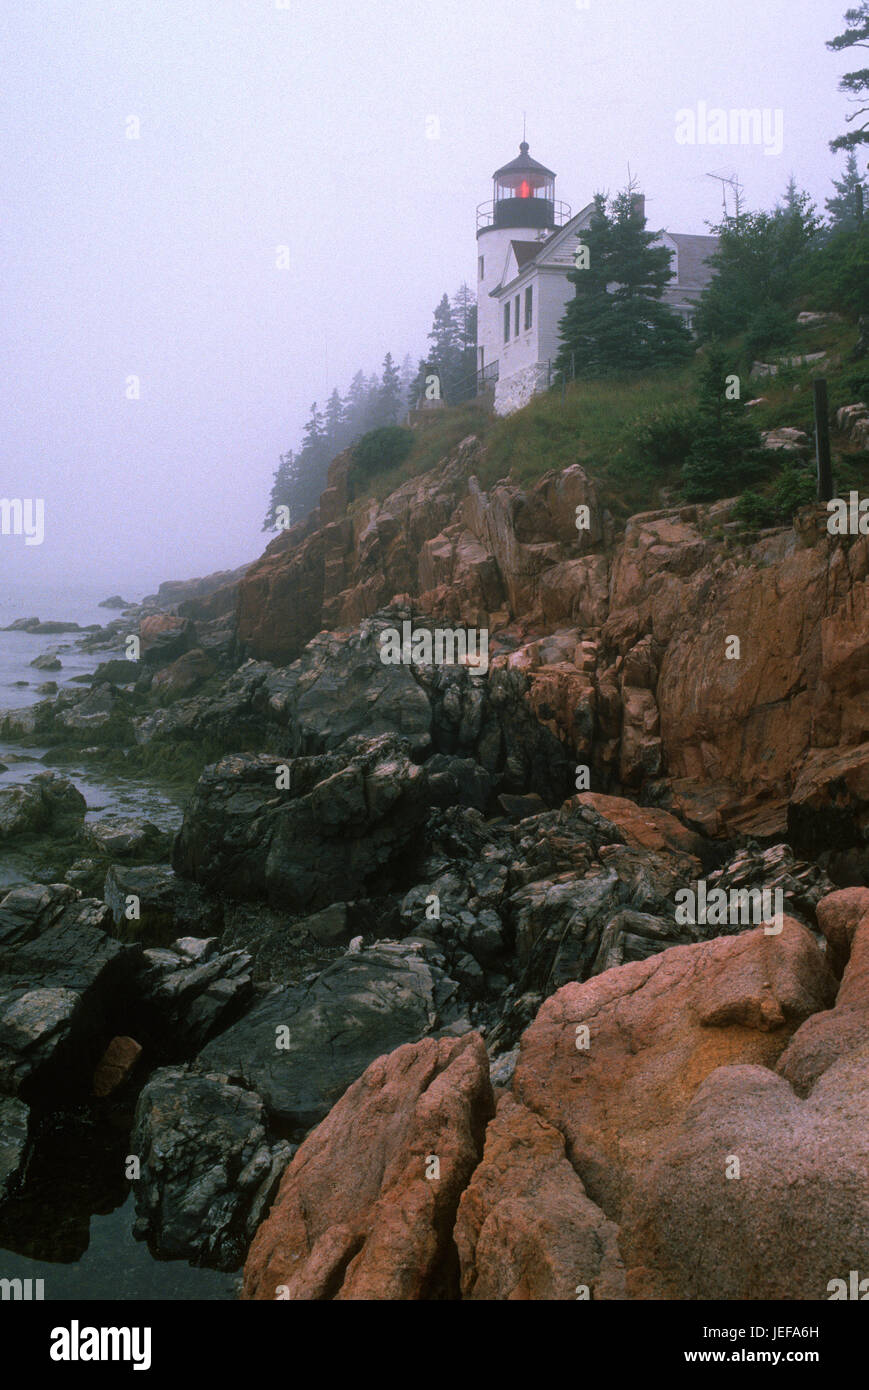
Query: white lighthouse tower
[523,211]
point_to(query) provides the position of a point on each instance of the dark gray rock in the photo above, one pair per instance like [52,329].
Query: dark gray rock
[329,927]
[122,837]
[66,988]
[343,819]
[208,1169]
[119,671]
[633,935]
[302,1046]
[47,802]
[188,992]
[13,1142]
[167,906]
[92,711]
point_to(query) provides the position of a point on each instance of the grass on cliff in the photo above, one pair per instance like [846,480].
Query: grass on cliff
[606,425]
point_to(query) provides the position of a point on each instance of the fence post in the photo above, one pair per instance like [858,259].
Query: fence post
[822,439]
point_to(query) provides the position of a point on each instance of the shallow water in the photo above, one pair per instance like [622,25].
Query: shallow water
[73,1226]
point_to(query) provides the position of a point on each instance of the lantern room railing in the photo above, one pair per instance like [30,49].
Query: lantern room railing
[486,213]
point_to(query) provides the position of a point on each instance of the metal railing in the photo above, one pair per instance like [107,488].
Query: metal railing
[486,214]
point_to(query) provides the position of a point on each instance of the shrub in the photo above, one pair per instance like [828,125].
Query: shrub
[754,511]
[666,435]
[377,452]
[772,327]
[796,485]
[381,449]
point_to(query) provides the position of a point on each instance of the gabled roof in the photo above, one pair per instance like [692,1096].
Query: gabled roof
[694,252]
[524,251]
[556,251]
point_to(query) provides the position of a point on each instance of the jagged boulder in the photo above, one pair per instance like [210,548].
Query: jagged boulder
[208,1170]
[65,987]
[525,1227]
[47,802]
[366,1208]
[343,818]
[301,1047]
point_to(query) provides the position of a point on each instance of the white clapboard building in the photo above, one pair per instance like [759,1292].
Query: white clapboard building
[526,244]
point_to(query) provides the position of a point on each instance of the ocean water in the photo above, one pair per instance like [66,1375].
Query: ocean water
[19,682]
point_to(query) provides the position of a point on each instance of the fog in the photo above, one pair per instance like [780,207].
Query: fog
[359,135]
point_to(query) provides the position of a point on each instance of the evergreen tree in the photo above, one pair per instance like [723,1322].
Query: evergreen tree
[617,322]
[314,435]
[418,385]
[389,396]
[847,208]
[725,452]
[335,424]
[759,264]
[283,491]
[355,406]
[408,377]
[371,418]
[445,355]
[856,84]
[465,317]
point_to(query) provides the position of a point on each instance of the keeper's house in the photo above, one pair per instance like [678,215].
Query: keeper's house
[526,243]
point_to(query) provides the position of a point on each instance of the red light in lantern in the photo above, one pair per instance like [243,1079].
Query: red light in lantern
[524,190]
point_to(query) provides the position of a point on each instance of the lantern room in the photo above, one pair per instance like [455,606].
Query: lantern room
[523,193]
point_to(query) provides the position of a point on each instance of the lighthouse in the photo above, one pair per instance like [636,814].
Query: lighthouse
[522,213]
[526,249]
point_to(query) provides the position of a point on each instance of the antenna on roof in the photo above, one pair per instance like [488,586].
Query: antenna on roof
[523,127]
[729,180]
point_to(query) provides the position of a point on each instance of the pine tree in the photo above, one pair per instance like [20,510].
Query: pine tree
[465,317]
[313,434]
[856,84]
[418,385]
[371,417]
[389,403]
[617,322]
[408,377]
[760,264]
[335,424]
[283,490]
[355,406]
[725,453]
[445,355]
[846,209]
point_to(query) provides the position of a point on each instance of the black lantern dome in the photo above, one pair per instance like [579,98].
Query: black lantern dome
[523,193]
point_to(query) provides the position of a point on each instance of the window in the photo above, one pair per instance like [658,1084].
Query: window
[507,322]
[528,319]
[516,317]
[481,268]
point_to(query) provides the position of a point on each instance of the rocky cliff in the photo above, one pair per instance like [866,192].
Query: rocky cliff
[625,638]
[407,1008]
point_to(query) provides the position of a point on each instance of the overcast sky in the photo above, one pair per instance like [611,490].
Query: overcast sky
[359,133]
